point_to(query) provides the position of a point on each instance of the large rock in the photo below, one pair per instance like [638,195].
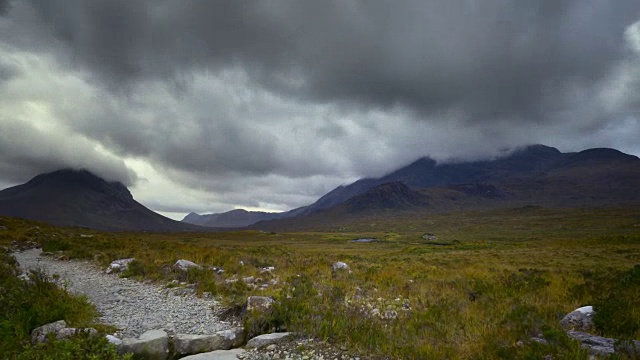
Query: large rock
[185,344]
[596,345]
[579,319]
[259,303]
[184,265]
[152,345]
[39,334]
[217,355]
[268,339]
[119,265]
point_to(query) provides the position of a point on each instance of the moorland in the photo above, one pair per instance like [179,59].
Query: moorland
[480,287]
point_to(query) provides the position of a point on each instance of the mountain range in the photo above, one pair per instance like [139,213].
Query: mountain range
[533,175]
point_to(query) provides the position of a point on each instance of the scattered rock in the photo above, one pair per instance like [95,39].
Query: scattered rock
[249,280]
[151,345]
[119,265]
[579,319]
[267,339]
[267,270]
[390,315]
[259,303]
[339,266]
[184,265]
[429,236]
[218,355]
[39,334]
[3,228]
[217,270]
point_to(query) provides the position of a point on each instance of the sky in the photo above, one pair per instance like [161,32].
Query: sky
[208,106]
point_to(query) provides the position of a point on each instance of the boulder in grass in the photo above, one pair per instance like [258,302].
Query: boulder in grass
[579,319]
[184,265]
[39,334]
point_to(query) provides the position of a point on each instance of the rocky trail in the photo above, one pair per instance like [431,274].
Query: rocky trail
[132,306]
[157,315]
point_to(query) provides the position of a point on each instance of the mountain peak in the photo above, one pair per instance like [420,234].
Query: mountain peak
[79,198]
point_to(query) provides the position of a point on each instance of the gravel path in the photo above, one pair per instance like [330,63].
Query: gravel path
[132,306]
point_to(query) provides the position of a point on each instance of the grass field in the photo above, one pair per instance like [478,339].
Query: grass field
[488,283]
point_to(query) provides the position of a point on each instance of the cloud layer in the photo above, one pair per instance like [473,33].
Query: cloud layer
[215,105]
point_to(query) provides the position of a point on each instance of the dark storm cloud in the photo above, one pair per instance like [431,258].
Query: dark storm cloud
[491,58]
[4,7]
[272,103]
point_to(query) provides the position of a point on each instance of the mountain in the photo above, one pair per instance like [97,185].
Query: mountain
[231,219]
[426,172]
[80,198]
[535,175]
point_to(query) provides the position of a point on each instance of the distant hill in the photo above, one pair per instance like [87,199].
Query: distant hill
[231,219]
[535,175]
[80,198]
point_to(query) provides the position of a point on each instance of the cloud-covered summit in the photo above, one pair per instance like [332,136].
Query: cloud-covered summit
[270,104]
